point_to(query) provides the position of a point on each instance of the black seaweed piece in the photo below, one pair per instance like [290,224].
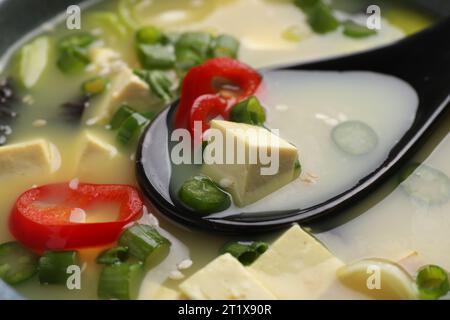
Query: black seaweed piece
[7,96]
[5,131]
[73,110]
[6,92]
[7,112]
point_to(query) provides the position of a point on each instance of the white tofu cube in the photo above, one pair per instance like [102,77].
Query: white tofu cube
[246,180]
[165,293]
[94,147]
[28,158]
[95,157]
[125,88]
[297,266]
[224,278]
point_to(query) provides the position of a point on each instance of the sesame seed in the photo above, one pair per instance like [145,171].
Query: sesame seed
[39,123]
[77,215]
[73,184]
[281,107]
[176,275]
[91,121]
[28,99]
[185,264]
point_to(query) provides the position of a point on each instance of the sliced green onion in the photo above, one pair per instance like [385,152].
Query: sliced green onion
[120,281]
[94,86]
[131,128]
[17,263]
[201,195]
[320,15]
[79,40]
[122,114]
[355,30]
[225,46]
[198,42]
[192,48]
[109,22]
[355,137]
[149,35]
[432,282]
[248,111]
[425,184]
[145,243]
[126,14]
[53,266]
[73,52]
[321,18]
[156,56]
[113,255]
[150,115]
[171,37]
[186,59]
[306,5]
[245,252]
[33,58]
[72,61]
[158,82]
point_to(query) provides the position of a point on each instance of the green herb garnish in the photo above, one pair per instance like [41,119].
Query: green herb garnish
[201,195]
[432,282]
[248,111]
[245,252]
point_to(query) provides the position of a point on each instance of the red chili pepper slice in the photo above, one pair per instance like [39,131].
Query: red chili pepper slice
[41,217]
[205,108]
[231,79]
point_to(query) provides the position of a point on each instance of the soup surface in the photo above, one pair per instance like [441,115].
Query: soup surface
[389,224]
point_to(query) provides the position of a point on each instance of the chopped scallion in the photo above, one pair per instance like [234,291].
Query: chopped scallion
[17,263]
[355,30]
[126,14]
[306,5]
[109,22]
[245,252]
[321,18]
[248,111]
[158,82]
[53,266]
[120,281]
[113,255]
[432,282]
[149,35]
[198,42]
[202,196]
[131,128]
[94,86]
[145,243]
[225,46]
[122,114]
[73,52]
[156,56]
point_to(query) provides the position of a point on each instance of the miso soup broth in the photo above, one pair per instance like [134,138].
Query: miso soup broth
[306,108]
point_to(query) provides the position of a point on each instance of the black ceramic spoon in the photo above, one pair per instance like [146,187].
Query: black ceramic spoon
[422,60]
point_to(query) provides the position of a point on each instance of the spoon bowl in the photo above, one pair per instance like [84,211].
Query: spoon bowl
[421,60]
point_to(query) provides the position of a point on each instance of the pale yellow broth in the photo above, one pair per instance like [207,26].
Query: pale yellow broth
[353,240]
